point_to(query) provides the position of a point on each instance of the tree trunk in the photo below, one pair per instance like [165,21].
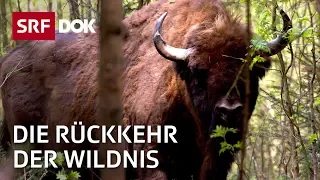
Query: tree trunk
[59,10]
[28,6]
[81,9]
[98,10]
[246,108]
[262,150]
[312,116]
[19,7]
[270,174]
[74,9]
[317,7]
[49,5]
[140,4]
[3,27]
[110,85]
[10,6]
[89,6]
[2,32]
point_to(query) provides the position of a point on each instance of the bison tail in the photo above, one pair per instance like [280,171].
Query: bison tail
[4,136]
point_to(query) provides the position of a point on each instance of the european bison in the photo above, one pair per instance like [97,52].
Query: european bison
[163,85]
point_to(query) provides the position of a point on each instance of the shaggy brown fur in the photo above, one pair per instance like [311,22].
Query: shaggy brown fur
[58,85]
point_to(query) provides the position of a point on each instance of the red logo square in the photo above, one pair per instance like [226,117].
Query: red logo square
[33,25]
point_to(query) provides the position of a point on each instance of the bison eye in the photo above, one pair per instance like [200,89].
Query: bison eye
[201,76]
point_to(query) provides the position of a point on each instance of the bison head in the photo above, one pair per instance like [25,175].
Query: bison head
[212,63]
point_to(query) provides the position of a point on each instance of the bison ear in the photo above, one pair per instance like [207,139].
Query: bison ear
[260,68]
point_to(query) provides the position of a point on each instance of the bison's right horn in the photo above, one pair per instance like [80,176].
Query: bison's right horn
[278,44]
[165,50]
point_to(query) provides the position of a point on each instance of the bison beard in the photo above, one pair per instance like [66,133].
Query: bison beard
[58,84]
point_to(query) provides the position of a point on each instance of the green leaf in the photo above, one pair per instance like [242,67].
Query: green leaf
[221,131]
[303,19]
[238,145]
[61,175]
[312,138]
[233,130]
[300,107]
[259,44]
[218,132]
[60,159]
[308,34]
[225,146]
[255,60]
[317,102]
[73,175]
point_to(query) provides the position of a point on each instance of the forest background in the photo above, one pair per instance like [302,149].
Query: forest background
[283,139]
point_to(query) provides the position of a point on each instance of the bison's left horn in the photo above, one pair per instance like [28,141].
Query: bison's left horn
[165,50]
[278,44]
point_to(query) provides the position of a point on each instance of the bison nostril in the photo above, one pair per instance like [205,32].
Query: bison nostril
[238,109]
[233,109]
[222,110]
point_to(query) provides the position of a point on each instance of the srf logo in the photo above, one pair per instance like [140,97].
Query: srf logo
[41,26]
[33,25]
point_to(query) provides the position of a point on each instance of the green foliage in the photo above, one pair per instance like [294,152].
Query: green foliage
[259,44]
[312,138]
[60,159]
[317,101]
[221,131]
[264,23]
[61,175]
[275,123]
[255,60]
[67,175]
[129,6]
[308,33]
[62,172]
[73,175]
[284,177]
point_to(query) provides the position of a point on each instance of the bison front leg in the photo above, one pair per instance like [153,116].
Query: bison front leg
[214,171]
[142,171]
[215,165]
[155,174]
[6,169]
